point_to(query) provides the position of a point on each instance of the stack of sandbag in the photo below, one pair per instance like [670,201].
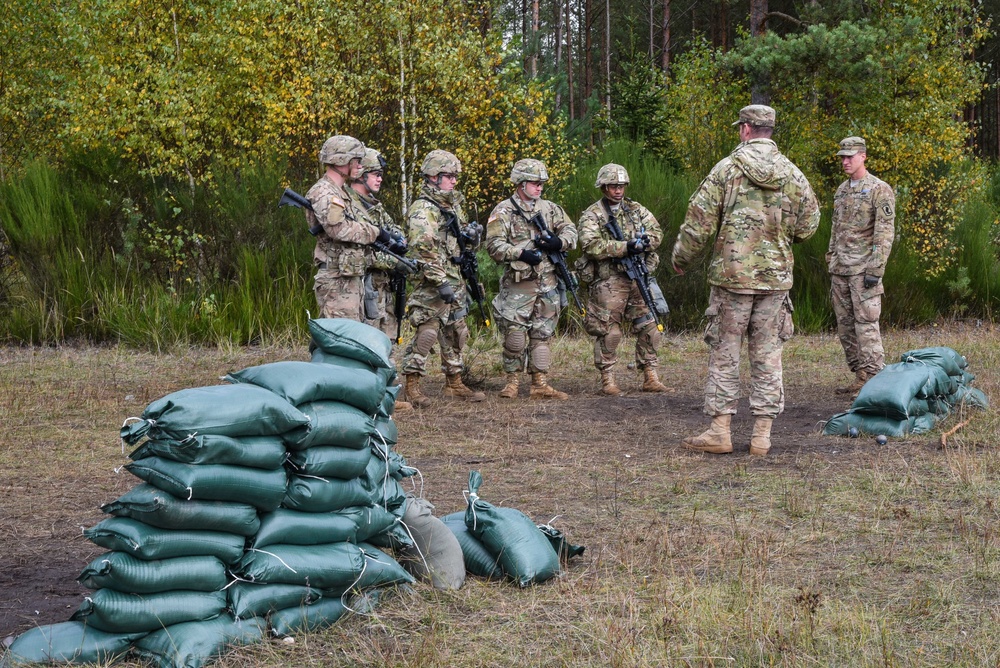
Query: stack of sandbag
[502,543]
[911,396]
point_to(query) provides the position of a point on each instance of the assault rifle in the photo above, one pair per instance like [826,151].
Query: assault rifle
[557,258]
[468,263]
[636,269]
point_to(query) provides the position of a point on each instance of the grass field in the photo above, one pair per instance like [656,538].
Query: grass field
[828,552]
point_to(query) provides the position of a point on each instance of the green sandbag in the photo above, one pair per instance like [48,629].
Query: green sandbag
[228,410]
[123,572]
[146,542]
[304,619]
[260,488]
[329,460]
[302,382]
[320,356]
[558,541]
[380,570]
[326,566]
[969,396]
[68,642]
[382,489]
[387,406]
[436,554]
[891,390]
[335,423]
[261,452]
[524,553]
[375,521]
[161,509]
[248,599]
[866,423]
[921,424]
[478,559]
[388,430]
[194,644]
[292,527]
[320,495]
[950,361]
[117,612]
[349,338]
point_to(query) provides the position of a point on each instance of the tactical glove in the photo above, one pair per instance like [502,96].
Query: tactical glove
[384,236]
[550,243]
[531,257]
[871,281]
[447,293]
[635,247]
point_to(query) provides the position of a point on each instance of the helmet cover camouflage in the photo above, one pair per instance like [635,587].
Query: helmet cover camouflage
[528,169]
[611,174]
[372,162]
[340,149]
[440,162]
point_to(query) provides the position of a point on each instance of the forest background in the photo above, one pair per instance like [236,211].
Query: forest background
[143,145]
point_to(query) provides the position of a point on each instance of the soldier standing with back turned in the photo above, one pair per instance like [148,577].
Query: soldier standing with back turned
[528,304]
[756,204]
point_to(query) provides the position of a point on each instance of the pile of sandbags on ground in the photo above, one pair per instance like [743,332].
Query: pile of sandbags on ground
[911,396]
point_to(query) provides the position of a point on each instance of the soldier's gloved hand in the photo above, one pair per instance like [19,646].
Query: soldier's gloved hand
[550,243]
[532,257]
[473,232]
[384,236]
[447,293]
[635,247]
[871,281]
[398,245]
[402,269]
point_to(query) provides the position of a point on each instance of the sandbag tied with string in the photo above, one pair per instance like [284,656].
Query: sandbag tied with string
[302,382]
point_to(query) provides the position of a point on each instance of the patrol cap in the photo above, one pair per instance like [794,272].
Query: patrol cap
[611,174]
[852,146]
[528,169]
[757,115]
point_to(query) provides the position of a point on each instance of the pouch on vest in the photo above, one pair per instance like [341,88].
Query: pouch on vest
[371,299]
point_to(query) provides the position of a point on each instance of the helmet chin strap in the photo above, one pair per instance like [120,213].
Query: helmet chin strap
[523,193]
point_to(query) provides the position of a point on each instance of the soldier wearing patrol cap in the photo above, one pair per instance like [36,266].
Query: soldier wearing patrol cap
[864,212]
[528,304]
[613,295]
[341,256]
[438,304]
[752,206]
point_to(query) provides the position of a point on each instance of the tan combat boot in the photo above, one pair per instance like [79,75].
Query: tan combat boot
[860,378]
[509,390]
[456,389]
[715,440]
[652,382]
[608,384]
[413,394]
[760,441]
[403,405]
[540,389]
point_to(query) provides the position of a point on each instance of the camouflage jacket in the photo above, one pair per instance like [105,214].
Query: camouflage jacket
[600,249]
[756,204]
[432,242]
[509,232]
[863,227]
[342,245]
[376,213]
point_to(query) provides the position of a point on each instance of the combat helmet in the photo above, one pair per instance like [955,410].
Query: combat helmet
[340,149]
[611,174]
[440,162]
[528,169]
[372,162]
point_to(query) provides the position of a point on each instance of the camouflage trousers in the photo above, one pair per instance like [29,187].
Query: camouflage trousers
[858,311]
[765,321]
[611,300]
[386,321]
[340,296]
[527,319]
[435,321]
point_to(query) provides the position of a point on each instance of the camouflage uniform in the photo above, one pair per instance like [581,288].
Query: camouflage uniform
[381,265]
[756,204]
[860,240]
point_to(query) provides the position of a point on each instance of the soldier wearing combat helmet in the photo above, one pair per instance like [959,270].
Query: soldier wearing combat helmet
[864,213]
[613,295]
[528,304]
[438,304]
[753,205]
[342,254]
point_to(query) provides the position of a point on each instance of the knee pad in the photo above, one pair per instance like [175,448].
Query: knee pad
[424,340]
[612,339]
[651,334]
[514,342]
[541,355]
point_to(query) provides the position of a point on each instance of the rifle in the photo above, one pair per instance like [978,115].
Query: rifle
[636,269]
[468,263]
[398,285]
[557,258]
[290,197]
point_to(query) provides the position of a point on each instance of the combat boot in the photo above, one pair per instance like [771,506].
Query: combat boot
[509,390]
[540,389]
[760,441]
[402,405]
[652,382]
[860,378]
[608,384]
[716,439]
[413,394]
[456,389]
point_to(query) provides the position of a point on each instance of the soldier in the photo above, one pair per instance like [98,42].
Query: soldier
[341,256]
[528,304]
[613,295]
[756,204]
[864,210]
[438,304]
[384,267]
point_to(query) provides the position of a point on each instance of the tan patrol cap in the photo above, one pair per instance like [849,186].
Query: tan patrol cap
[852,146]
[757,115]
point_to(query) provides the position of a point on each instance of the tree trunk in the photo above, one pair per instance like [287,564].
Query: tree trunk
[534,39]
[557,20]
[666,36]
[607,56]
[569,60]
[588,70]
[758,16]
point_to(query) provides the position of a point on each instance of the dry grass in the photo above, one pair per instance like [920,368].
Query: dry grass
[827,552]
